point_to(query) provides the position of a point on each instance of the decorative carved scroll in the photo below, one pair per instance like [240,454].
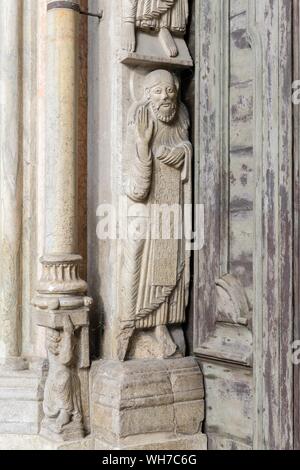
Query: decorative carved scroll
[271,37]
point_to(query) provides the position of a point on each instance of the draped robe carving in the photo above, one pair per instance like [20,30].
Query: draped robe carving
[162,16]
[156,272]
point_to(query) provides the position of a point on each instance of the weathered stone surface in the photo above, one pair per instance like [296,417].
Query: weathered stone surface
[108,163]
[23,442]
[155,270]
[149,51]
[21,398]
[153,33]
[159,442]
[143,398]
[10,184]
[216,442]
[189,417]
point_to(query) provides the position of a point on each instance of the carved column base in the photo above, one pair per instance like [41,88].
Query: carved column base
[60,277]
[148,404]
[63,309]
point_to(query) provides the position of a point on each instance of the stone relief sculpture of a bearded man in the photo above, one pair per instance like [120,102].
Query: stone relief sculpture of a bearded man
[156,271]
[165,17]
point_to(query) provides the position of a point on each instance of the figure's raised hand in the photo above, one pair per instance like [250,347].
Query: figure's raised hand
[145,126]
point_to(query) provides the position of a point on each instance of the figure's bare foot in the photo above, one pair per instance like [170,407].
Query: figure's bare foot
[129,41]
[163,337]
[168,42]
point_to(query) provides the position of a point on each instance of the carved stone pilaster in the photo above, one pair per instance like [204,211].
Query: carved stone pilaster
[143,162]
[10,186]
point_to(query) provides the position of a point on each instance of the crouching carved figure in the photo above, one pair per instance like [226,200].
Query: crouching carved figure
[62,398]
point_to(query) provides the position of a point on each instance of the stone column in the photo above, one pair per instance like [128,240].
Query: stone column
[62,305]
[10,184]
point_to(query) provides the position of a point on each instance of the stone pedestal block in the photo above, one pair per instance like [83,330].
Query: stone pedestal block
[21,398]
[148,404]
[150,51]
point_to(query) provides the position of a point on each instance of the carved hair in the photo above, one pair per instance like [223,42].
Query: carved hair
[158,76]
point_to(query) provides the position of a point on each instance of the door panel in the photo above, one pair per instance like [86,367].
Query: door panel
[243,289]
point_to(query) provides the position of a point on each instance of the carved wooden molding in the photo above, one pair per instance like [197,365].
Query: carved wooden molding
[270,37]
[208,145]
[269,31]
[215,288]
[296,131]
[270,34]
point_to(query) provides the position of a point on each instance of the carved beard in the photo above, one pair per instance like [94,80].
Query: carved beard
[166,116]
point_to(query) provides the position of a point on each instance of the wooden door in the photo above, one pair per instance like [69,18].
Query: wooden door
[243,277]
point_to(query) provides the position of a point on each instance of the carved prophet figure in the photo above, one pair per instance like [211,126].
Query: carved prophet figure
[155,270]
[165,17]
[62,398]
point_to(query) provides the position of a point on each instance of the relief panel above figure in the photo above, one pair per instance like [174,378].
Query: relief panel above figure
[165,17]
[156,28]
